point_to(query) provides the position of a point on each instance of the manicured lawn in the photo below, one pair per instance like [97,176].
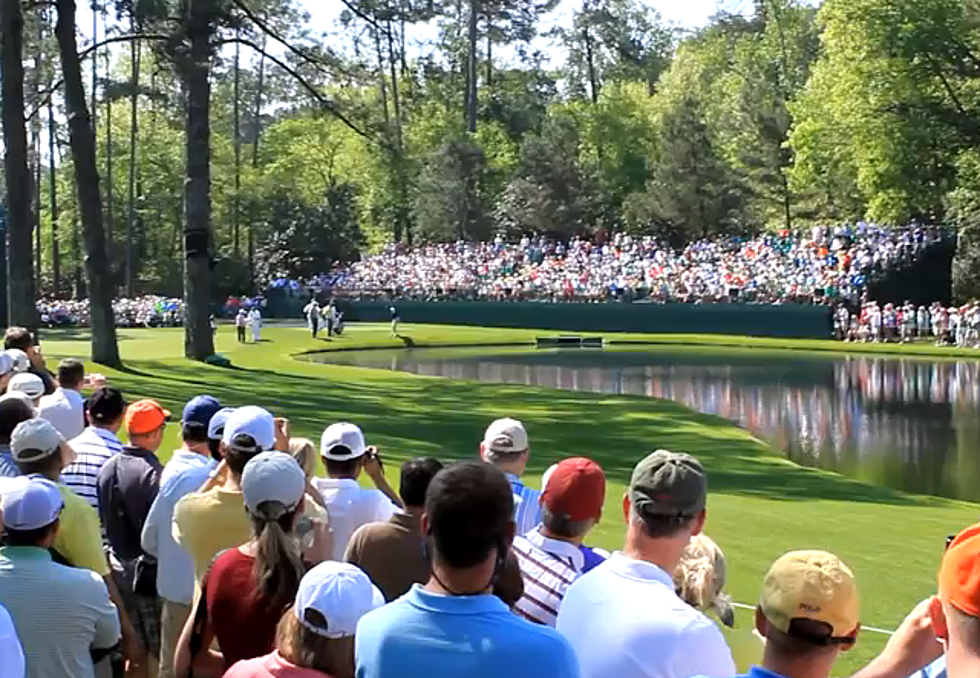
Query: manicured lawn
[760,504]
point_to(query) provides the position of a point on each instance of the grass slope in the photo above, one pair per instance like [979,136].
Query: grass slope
[760,504]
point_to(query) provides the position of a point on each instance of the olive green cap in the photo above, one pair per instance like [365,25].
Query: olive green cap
[668,485]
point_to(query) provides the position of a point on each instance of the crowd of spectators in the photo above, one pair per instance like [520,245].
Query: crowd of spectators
[145,311]
[234,559]
[814,266]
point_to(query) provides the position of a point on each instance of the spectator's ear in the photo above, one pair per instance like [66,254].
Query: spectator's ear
[626,507]
[761,623]
[699,523]
[510,531]
[853,636]
[483,452]
[424,524]
[938,618]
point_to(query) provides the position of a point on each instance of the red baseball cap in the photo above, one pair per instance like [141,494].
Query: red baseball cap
[575,489]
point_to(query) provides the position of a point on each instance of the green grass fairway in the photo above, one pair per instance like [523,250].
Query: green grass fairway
[760,505]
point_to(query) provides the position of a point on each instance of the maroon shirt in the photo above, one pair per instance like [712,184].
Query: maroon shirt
[243,622]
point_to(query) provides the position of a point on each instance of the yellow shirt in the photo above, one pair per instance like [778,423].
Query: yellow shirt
[79,537]
[208,522]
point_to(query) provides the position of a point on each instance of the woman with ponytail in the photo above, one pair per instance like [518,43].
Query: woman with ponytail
[247,588]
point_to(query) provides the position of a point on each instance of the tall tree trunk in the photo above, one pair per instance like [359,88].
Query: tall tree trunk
[21,302]
[105,350]
[489,77]
[36,186]
[381,73]
[110,191]
[133,132]
[198,341]
[401,216]
[36,145]
[471,69]
[95,67]
[256,138]
[53,179]
[236,114]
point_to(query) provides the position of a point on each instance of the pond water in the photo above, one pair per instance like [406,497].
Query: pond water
[906,424]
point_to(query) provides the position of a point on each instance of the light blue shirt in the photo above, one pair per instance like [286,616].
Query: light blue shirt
[937,669]
[436,636]
[527,506]
[183,474]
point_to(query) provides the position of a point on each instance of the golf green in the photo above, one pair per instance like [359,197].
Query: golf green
[760,505]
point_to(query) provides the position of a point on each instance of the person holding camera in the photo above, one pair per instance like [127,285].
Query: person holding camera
[345,454]
[128,484]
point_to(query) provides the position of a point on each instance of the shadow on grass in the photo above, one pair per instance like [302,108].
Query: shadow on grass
[408,416]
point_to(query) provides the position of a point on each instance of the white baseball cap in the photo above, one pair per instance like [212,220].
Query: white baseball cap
[216,426]
[28,383]
[505,436]
[6,363]
[341,593]
[34,439]
[251,421]
[272,476]
[21,362]
[30,503]
[342,435]
[21,396]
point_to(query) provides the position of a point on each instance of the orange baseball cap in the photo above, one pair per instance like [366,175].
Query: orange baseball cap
[959,574]
[145,416]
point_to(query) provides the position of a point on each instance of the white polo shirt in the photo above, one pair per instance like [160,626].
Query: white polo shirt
[349,506]
[625,621]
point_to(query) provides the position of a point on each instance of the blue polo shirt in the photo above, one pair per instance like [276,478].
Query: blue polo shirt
[437,636]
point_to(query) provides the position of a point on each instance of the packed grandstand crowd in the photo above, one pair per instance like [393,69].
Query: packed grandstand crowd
[821,264]
[236,559]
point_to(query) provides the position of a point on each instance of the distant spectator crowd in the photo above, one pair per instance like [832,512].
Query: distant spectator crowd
[948,326]
[236,559]
[817,266]
[145,311]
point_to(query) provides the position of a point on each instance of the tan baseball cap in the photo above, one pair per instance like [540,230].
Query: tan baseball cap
[505,436]
[811,586]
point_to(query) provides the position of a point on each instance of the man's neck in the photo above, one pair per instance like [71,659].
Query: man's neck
[515,468]
[231,484]
[575,541]
[664,553]
[414,511]
[470,581]
[812,665]
[196,448]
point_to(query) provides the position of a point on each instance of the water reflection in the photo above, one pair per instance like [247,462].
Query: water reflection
[907,424]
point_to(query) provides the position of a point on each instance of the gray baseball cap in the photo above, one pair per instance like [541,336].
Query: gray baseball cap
[34,439]
[668,484]
[272,477]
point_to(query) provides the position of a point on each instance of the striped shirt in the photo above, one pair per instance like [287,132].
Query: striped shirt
[548,567]
[8,467]
[92,449]
[527,510]
[61,613]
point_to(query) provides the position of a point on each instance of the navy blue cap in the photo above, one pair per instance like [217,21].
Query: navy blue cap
[200,409]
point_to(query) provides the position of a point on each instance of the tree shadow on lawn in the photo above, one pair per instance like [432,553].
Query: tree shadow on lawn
[418,415]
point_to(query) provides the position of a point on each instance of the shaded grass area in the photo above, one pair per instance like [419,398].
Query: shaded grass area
[760,505]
